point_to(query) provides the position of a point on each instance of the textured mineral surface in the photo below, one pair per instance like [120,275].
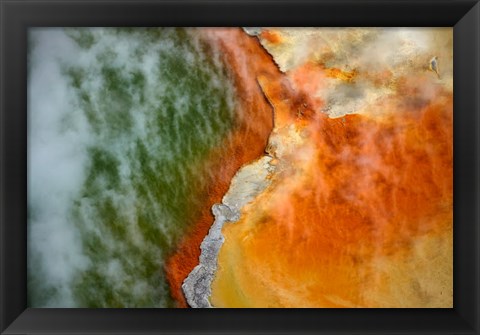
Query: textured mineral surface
[356,209]
[246,185]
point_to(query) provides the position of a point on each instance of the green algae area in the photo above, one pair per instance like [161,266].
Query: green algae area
[143,184]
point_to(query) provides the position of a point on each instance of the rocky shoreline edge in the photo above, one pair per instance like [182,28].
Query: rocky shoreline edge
[249,181]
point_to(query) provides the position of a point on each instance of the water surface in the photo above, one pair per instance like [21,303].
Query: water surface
[121,123]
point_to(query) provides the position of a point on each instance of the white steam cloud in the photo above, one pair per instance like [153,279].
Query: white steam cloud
[56,160]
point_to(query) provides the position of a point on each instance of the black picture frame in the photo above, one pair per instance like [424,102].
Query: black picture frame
[15,18]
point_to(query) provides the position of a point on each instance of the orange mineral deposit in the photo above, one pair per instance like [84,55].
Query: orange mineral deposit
[246,59]
[359,214]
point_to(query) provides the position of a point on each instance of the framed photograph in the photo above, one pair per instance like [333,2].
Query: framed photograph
[282,167]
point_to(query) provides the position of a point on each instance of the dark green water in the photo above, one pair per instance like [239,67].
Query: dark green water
[121,122]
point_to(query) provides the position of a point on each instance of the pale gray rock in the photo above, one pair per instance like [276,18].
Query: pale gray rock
[196,286]
[249,181]
[252,31]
